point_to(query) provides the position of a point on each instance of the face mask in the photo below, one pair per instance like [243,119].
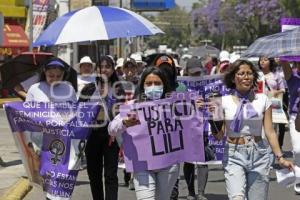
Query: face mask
[154,92]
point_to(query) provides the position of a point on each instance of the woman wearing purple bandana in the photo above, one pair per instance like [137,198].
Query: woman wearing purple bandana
[245,115]
[292,76]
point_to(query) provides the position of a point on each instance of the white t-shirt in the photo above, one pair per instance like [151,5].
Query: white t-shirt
[30,81]
[43,92]
[252,126]
[84,80]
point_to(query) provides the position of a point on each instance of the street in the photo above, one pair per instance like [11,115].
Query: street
[215,189]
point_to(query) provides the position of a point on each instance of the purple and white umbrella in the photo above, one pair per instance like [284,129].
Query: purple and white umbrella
[96,23]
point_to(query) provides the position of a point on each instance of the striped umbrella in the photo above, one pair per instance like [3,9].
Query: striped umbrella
[286,43]
[96,23]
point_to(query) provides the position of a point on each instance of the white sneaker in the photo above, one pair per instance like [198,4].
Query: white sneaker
[297,188]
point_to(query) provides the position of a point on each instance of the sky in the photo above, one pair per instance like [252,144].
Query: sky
[186,3]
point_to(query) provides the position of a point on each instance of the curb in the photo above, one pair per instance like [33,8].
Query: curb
[7,100]
[18,191]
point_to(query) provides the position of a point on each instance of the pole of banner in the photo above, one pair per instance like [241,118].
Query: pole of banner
[30,24]
[120,39]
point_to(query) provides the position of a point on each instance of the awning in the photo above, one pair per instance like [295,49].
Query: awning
[14,36]
[15,40]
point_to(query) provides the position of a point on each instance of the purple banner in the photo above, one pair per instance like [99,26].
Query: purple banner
[290,58]
[170,131]
[211,88]
[51,138]
[289,23]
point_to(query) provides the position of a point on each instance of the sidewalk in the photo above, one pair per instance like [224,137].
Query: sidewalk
[13,185]
[6,100]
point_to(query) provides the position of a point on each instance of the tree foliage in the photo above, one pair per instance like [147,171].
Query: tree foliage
[234,22]
[176,25]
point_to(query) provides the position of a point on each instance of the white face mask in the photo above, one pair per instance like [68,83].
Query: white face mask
[154,92]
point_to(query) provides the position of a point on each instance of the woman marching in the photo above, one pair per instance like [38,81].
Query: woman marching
[149,184]
[101,149]
[52,87]
[292,76]
[275,87]
[245,114]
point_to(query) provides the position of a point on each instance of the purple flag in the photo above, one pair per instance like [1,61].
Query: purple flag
[170,131]
[51,138]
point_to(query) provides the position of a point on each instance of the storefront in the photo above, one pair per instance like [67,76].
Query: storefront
[15,41]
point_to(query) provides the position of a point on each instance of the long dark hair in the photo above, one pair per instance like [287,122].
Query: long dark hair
[272,62]
[140,90]
[114,77]
[169,69]
[230,75]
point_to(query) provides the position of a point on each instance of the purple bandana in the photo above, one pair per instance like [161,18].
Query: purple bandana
[238,117]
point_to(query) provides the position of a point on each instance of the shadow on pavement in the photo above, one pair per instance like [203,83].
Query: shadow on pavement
[211,197]
[217,180]
[216,196]
[82,183]
[11,163]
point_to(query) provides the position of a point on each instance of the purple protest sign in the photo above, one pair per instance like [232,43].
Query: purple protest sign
[51,138]
[170,131]
[211,88]
[288,23]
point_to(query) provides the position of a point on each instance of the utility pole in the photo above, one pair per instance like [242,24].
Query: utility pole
[1,30]
[30,10]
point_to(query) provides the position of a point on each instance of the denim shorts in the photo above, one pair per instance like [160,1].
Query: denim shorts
[247,168]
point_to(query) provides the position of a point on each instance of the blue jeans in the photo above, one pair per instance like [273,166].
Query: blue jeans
[247,169]
[156,184]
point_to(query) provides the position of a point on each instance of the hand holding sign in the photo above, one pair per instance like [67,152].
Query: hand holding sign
[209,105]
[131,119]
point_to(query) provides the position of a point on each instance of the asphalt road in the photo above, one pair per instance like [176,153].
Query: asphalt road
[215,189]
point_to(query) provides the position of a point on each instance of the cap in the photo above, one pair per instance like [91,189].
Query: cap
[194,65]
[120,62]
[129,62]
[55,63]
[224,56]
[163,59]
[224,65]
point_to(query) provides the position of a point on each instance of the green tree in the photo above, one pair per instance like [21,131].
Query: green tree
[176,25]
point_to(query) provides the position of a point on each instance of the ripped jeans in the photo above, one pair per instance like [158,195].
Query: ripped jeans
[247,169]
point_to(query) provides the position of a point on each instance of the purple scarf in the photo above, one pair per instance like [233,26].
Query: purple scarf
[238,117]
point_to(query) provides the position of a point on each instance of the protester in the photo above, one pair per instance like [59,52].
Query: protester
[243,115]
[167,65]
[274,86]
[139,61]
[51,88]
[224,59]
[52,85]
[194,68]
[292,76]
[119,67]
[101,149]
[150,184]
[130,78]
[86,72]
